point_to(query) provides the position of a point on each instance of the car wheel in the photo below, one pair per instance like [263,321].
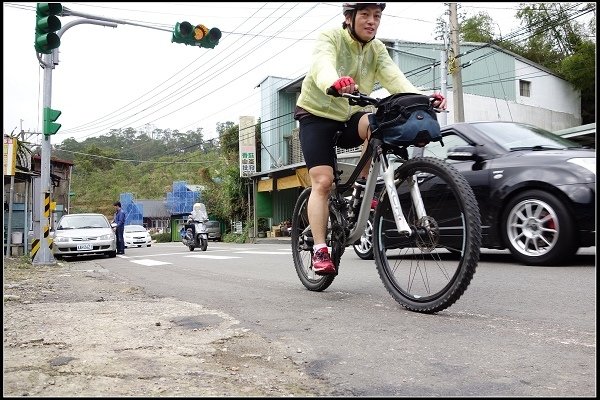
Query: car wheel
[112,254]
[538,229]
[363,247]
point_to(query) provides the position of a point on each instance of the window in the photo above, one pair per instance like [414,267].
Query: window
[435,149]
[525,88]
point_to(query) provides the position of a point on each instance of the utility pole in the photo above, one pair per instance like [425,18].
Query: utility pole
[443,117]
[457,88]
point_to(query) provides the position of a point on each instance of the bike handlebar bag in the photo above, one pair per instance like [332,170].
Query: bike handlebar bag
[405,119]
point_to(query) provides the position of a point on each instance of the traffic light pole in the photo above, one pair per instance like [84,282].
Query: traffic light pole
[47,43]
[41,248]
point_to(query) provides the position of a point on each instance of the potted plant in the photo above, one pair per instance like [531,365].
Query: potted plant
[263,227]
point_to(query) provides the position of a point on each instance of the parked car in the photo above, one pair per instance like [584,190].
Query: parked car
[83,234]
[535,190]
[214,230]
[136,236]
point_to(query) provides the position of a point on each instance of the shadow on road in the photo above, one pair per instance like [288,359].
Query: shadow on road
[579,260]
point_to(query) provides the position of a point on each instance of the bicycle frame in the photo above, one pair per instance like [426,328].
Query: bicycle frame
[376,155]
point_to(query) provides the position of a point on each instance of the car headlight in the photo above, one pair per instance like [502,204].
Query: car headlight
[108,236]
[587,163]
[61,239]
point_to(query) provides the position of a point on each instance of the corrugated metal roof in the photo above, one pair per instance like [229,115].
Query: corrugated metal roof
[154,208]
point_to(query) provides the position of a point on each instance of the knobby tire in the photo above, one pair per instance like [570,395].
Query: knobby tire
[430,270]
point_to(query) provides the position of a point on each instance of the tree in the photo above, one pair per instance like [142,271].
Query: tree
[479,28]
[229,137]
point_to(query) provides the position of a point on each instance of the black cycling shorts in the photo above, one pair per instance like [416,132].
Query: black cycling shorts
[317,137]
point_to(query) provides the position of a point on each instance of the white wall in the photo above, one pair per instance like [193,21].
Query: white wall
[480,108]
[547,91]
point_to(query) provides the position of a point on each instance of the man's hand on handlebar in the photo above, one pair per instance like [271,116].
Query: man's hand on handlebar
[345,84]
[438,101]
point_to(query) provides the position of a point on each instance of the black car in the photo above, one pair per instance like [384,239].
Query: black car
[536,191]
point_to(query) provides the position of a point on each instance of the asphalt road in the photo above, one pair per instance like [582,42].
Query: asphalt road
[517,331]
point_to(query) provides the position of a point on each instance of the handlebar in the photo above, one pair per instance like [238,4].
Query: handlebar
[361,99]
[356,98]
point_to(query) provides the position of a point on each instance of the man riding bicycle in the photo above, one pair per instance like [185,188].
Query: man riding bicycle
[342,59]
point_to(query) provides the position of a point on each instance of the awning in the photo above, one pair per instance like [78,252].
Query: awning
[299,179]
[265,185]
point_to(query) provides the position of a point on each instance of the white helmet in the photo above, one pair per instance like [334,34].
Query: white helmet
[355,6]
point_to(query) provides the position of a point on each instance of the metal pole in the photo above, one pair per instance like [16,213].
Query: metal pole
[443,85]
[10,209]
[457,88]
[40,248]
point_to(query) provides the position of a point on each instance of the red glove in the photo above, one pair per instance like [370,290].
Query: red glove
[437,97]
[343,82]
[438,101]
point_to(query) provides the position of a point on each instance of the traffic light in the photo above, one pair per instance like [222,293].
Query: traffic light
[50,115]
[46,24]
[211,38]
[182,33]
[198,35]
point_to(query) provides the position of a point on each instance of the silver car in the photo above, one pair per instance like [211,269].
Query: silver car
[214,230]
[84,234]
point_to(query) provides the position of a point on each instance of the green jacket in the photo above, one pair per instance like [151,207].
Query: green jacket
[337,54]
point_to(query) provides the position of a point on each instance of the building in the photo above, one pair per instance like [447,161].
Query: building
[497,85]
[26,202]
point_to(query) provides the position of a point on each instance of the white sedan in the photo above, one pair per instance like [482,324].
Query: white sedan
[136,236]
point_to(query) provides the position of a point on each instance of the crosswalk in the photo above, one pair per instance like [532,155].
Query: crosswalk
[212,254]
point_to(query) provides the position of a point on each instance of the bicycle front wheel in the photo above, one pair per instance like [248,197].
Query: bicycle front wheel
[302,247]
[429,270]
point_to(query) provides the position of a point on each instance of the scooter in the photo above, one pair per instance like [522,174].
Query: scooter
[196,233]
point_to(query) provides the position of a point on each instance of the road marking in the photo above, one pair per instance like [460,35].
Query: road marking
[264,252]
[149,263]
[212,257]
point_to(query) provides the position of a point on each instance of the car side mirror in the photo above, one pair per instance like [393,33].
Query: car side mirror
[462,153]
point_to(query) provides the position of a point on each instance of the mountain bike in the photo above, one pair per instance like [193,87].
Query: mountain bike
[426,225]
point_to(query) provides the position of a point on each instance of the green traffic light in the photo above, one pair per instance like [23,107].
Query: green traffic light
[198,35]
[50,115]
[211,39]
[48,9]
[183,33]
[46,24]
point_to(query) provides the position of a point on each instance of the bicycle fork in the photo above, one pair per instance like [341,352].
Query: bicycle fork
[390,187]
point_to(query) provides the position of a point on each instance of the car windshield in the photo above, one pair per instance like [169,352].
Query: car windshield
[83,222]
[512,136]
[134,228]
[212,224]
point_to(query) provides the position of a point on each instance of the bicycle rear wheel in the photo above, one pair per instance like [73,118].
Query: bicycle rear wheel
[423,272]
[302,247]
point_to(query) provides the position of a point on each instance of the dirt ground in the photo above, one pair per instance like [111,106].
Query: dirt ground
[74,329]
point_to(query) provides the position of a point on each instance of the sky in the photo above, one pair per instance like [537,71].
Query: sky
[133,76]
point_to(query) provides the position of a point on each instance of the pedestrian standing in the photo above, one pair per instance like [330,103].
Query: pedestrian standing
[119,220]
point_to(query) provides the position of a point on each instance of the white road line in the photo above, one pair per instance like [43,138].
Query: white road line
[264,252]
[212,257]
[149,262]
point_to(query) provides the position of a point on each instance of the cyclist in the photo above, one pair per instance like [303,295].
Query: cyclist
[343,59]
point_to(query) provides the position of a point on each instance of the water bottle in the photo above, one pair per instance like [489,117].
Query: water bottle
[357,195]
